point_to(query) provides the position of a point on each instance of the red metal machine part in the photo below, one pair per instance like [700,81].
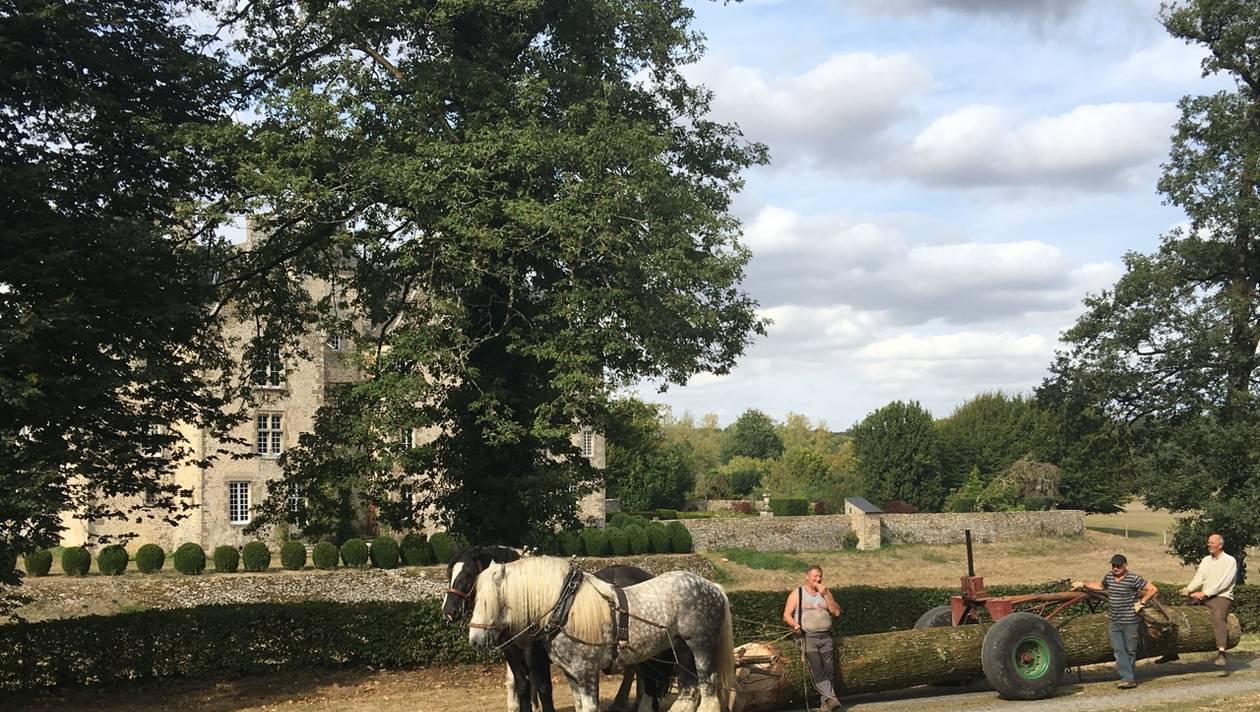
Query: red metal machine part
[965,607]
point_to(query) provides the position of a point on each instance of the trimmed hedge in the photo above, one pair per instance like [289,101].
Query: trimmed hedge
[38,563]
[324,555]
[384,552]
[664,514]
[354,553]
[637,539]
[293,555]
[256,556]
[570,543]
[248,639]
[658,538]
[618,544]
[75,561]
[415,550]
[150,558]
[679,538]
[190,559]
[789,506]
[112,560]
[444,544]
[226,559]
[595,542]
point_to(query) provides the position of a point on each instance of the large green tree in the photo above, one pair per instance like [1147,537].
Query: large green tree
[753,434]
[526,205]
[989,432]
[1170,353]
[898,456]
[644,468]
[111,112]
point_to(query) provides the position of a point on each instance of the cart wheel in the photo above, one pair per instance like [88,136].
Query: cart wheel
[1023,657]
[939,617]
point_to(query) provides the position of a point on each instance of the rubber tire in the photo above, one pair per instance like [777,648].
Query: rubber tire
[997,657]
[939,617]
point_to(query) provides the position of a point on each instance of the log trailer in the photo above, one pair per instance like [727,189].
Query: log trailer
[1022,645]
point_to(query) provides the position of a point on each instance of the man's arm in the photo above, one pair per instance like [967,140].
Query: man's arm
[1091,585]
[832,606]
[1197,582]
[1213,588]
[789,610]
[1147,593]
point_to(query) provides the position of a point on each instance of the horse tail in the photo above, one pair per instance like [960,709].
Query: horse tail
[724,661]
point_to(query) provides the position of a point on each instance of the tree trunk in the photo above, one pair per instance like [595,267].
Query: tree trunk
[888,661]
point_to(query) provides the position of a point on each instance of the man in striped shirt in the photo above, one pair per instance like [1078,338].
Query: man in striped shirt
[1127,593]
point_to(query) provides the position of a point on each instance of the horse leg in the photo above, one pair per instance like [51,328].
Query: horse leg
[517,681]
[686,700]
[621,703]
[585,692]
[707,677]
[540,675]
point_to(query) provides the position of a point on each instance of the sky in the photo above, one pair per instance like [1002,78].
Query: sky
[949,179]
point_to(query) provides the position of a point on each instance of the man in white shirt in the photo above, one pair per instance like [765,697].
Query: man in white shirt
[1213,586]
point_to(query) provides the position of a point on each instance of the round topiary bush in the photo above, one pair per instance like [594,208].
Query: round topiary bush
[444,545]
[617,542]
[384,552]
[256,556]
[636,521]
[324,555]
[354,553]
[415,550]
[112,560]
[595,542]
[570,543]
[618,519]
[293,555]
[190,559]
[658,538]
[679,538]
[637,538]
[75,561]
[226,559]
[38,563]
[150,558]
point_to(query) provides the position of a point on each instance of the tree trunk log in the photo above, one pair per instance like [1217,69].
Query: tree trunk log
[889,661]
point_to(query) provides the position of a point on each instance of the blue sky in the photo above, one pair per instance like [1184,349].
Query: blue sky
[950,178]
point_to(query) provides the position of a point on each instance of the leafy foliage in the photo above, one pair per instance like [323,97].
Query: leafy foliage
[444,545]
[644,469]
[112,116]
[658,538]
[75,561]
[415,550]
[256,556]
[618,544]
[637,538]
[293,555]
[991,431]
[898,456]
[753,435]
[1166,361]
[516,133]
[325,555]
[112,560]
[354,553]
[227,559]
[570,543]
[679,538]
[789,506]
[595,542]
[384,552]
[38,562]
[150,558]
[190,559]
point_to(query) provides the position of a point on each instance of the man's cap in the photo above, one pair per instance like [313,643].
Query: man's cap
[1119,560]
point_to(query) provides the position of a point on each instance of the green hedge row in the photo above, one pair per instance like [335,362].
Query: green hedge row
[238,640]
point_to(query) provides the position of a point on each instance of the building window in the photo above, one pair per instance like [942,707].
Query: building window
[334,342]
[408,497]
[238,503]
[295,498]
[407,438]
[588,443]
[270,434]
[157,431]
[269,372]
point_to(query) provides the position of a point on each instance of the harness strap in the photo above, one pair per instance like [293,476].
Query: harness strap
[623,616]
[560,613]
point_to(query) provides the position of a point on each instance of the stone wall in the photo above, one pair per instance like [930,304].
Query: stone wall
[984,526]
[821,533]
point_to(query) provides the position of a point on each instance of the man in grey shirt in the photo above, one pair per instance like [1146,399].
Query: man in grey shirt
[1127,593]
[808,612]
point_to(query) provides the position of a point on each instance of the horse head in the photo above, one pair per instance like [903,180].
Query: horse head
[488,613]
[461,577]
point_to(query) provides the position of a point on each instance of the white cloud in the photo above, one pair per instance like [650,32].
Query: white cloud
[1167,61]
[829,114]
[915,362]
[1091,146]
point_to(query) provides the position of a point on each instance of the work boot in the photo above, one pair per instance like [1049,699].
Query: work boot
[830,704]
[1220,659]
[1167,658]
[1127,684]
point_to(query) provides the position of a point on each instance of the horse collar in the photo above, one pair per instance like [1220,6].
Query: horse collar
[564,604]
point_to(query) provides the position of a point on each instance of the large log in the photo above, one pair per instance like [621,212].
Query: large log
[889,661]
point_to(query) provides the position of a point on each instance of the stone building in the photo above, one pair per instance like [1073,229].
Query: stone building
[225,495]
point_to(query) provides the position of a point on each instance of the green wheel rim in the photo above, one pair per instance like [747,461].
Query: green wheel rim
[1031,657]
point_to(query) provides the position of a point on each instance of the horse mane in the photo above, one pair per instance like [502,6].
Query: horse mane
[529,590]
